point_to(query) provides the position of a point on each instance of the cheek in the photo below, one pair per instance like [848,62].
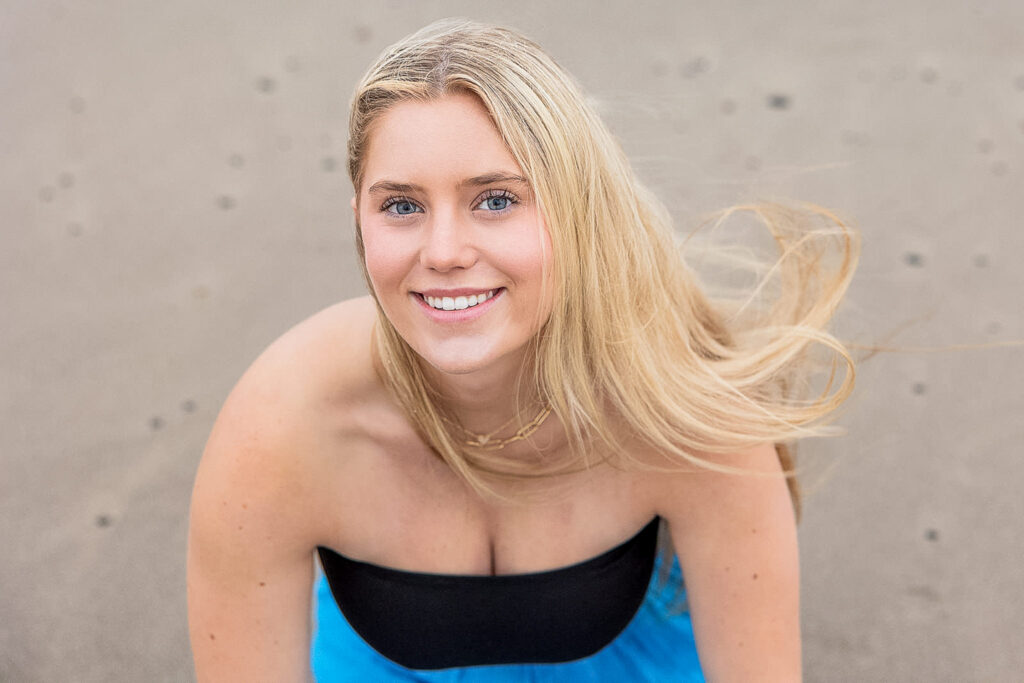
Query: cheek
[385,260]
[530,251]
[529,261]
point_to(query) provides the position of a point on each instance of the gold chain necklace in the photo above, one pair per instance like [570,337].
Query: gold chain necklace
[487,442]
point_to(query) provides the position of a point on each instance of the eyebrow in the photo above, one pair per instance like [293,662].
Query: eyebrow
[475,181]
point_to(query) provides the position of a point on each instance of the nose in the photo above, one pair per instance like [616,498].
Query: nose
[447,243]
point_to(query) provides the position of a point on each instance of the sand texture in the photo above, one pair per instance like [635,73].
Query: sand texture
[173,197]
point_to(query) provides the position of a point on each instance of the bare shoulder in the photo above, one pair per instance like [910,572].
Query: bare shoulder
[255,512]
[264,443]
[735,535]
[330,346]
[731,482]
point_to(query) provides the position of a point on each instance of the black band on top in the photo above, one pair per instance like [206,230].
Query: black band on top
[437,621]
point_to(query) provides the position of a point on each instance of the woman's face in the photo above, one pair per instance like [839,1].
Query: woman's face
[455,246]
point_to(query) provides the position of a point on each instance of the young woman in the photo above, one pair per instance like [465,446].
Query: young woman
[481,452]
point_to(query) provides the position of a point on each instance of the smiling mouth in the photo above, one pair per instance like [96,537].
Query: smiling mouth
[458,303]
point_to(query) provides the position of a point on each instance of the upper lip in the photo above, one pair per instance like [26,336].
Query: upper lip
[461,291]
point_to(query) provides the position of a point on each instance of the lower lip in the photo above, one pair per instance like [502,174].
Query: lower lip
[465,315]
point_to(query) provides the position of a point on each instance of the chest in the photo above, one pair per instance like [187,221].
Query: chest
[403,508]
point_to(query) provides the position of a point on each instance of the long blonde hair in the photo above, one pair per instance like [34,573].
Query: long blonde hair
[632,339]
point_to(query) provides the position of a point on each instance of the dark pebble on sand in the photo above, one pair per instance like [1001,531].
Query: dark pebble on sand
[913,259]
[363,33]
[266,84]
[695,67]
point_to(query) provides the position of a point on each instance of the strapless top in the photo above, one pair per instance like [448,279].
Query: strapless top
[436,621]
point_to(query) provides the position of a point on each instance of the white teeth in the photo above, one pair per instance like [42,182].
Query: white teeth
[458,303]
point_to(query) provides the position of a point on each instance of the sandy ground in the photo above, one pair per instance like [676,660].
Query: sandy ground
[173,198]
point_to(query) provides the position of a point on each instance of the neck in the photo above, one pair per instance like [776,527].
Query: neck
[484,400]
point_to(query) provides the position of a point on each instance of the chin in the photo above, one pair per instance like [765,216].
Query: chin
[459,365]
[463,359]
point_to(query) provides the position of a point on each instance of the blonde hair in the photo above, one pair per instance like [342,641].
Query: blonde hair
[632,339]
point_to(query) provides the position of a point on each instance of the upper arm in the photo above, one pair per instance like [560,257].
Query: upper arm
[250,566]
[735,535]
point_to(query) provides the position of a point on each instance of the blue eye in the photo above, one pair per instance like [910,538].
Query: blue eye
[498,201]
[402,207]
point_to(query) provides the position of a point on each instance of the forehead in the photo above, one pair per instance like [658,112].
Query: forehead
[446,139]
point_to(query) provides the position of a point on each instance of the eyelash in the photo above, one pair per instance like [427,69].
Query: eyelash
[489,194]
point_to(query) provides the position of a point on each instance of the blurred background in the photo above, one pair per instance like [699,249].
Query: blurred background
[173,197]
